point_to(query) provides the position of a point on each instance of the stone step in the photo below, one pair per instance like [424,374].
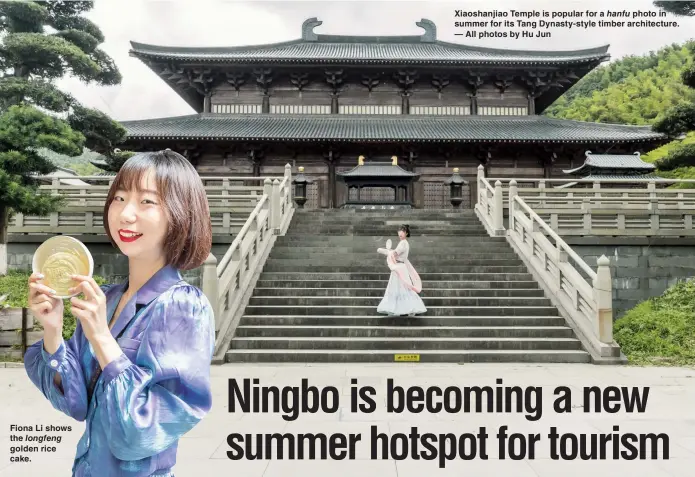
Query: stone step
[392,235]
[369,247]
[369,251]
[317,295]
[327,252]
[381,331]
[377,267]
[444,210]
[388,223]
[392,224]
[381,275]
[373,301]
[388,219]
[377,229]
[347,310]
[488,286]
[385,213]
[338,232]
[421,260]
[368,241]
[373,319]
[393,228]
[378,291]
[389,356]
[412,344]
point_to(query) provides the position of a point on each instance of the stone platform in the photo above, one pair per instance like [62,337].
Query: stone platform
[203,451]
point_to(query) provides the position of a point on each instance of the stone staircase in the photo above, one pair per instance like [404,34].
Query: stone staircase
[317,295]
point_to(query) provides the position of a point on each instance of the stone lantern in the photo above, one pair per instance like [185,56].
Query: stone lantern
[456,183]
[300,182]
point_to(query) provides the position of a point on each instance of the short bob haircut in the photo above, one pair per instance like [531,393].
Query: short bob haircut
[181,192]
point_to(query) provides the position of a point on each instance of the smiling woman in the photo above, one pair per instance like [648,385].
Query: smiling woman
[137,368]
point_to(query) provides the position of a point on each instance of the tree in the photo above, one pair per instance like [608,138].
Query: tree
[677,8]
[41,42]
[681,118]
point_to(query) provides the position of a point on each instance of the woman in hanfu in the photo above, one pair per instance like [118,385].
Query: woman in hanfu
[137,368]
[402,292]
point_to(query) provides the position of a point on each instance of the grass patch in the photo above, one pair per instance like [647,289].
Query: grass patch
[15,284]
[661,330]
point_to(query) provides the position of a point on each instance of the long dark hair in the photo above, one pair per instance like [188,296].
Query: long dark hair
[405,228]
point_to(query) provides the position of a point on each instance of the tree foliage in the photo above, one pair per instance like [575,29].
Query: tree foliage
[632,90]
[41,42]
[654,89]
[677,8]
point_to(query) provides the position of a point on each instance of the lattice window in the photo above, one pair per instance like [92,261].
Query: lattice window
[502,110]
[312,196]
[300,109]
[437,195]
[237,108]
[441,110]
[368,109]
[373,194]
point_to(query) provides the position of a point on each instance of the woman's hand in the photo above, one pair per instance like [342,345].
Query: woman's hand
[92,310]
[45,308]
[92,315]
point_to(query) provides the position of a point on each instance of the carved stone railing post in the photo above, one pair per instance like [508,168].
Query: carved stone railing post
[479,183]
[267,190]
[603,294]
[513,192]
[275,206]
[498,210]
[290,189]
[210,284]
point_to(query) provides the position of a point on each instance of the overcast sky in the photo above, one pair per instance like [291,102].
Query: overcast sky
[142,95]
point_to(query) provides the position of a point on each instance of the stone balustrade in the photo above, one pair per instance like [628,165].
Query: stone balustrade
[229,283]
[583,296]
[645,209]
[230,200]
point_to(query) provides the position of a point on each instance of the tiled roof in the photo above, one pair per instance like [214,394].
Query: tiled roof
[383,128]
[377,169]
[612,161]
[361,51]
[610,177]
[606,177]
[317,48]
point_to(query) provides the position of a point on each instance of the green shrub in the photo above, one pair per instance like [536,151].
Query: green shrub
[680,156]
[660,330]
[15,285]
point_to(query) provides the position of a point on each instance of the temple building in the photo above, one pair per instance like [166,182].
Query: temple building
[322,101]
[614,166]
[603,167]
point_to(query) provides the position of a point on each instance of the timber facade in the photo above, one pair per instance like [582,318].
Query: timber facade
[324,100]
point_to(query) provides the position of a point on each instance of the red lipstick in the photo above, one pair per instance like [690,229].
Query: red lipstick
[130,237]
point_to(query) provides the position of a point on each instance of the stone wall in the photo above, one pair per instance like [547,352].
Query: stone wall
[641,268]
[108,262]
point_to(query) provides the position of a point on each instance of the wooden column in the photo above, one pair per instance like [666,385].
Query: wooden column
[331,156]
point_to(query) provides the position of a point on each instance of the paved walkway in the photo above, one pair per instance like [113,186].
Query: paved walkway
[670,409]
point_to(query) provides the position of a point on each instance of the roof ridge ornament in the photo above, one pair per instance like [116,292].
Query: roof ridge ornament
[430,35]
[308,29]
